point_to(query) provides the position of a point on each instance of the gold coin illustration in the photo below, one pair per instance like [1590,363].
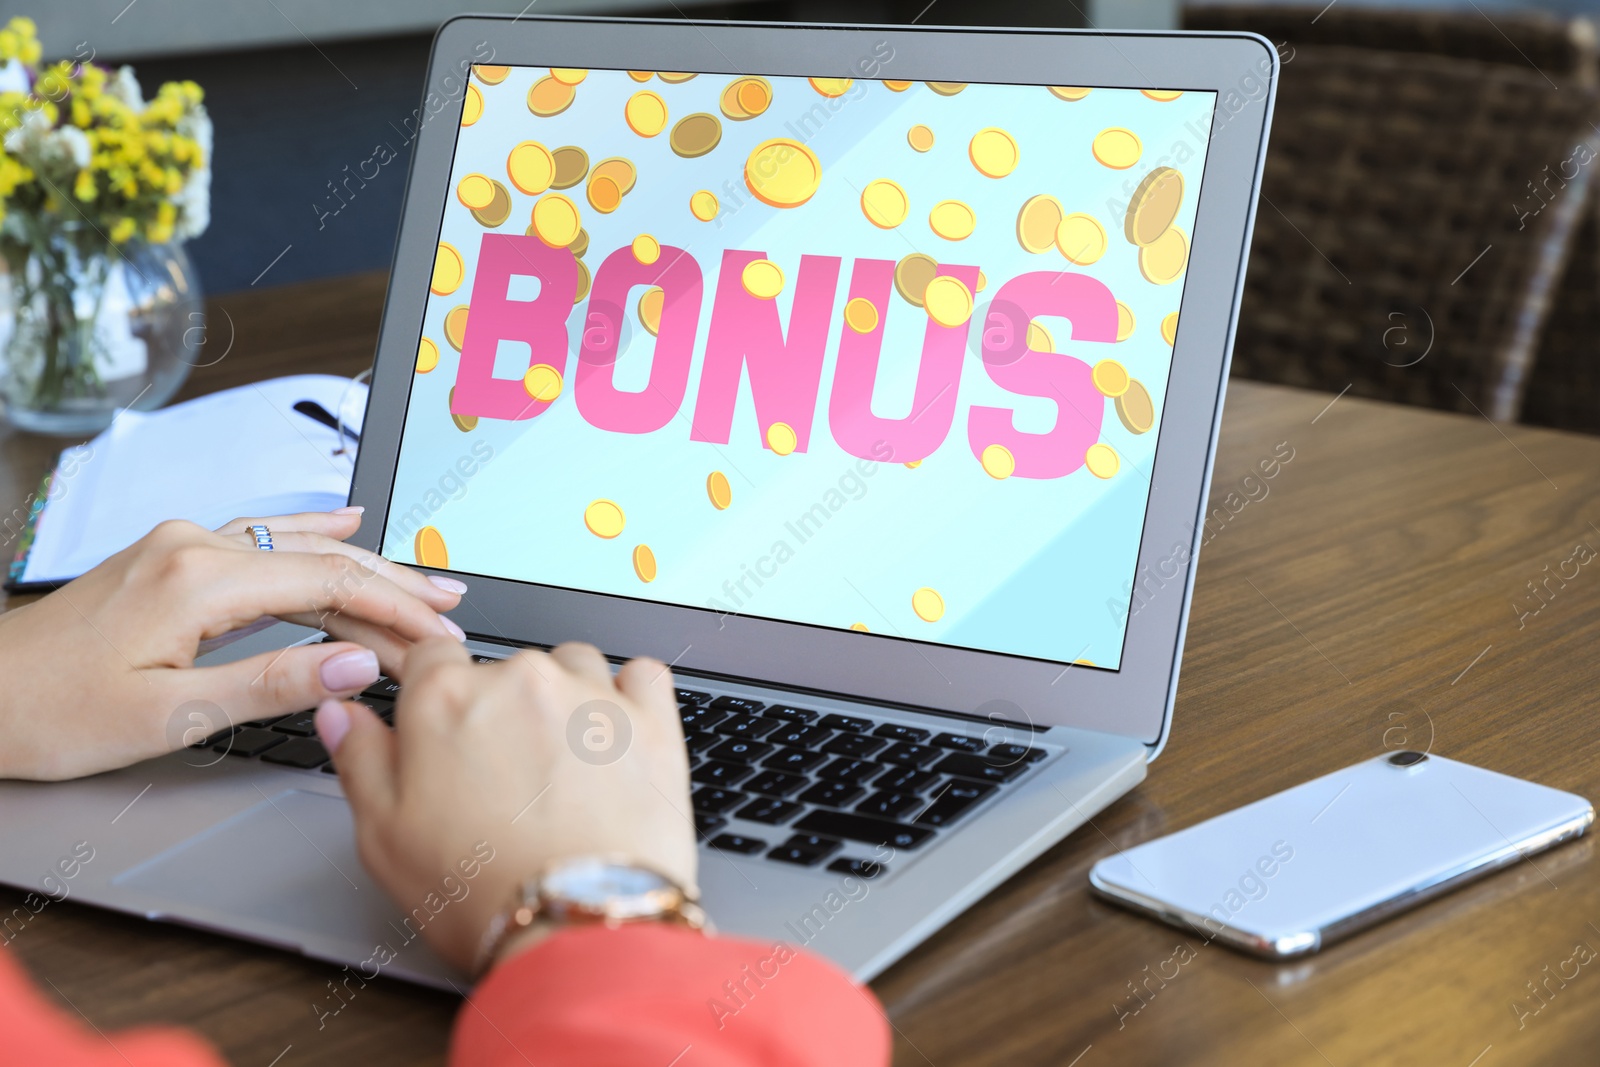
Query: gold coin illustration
[762,279]
[455,326]
[1164,259]
[641,75]
[531,167]
[1117,148]
[1169,328]
[998,462]
[448,270]
[703,205]
[783,173]
[498,208]
[568,75]
[580,243]
[897,87]
[604,194]
[913,465]
[948,301]
[674,77]
[695,135]
[604,519]
[619,170]
[583,282]
[542,382]
[427,356]
[1163,95]
[471,106]
[781,438]
[644,563]
[550,97]
[1101,459]
[650,304]
[491,75]
[994,152]
[745,98]
[952,220]
[884,204]
[1068,92]
[645,113]
[1081,238]
[928,605]
[920,138]
[474,191]
[464,423]
[861,315]
[556,219]
[1039,338]
[429,548]
[859,627]
[832,86]
[718,489]
[947,88]
[1037,222]
[1125,321]
[1110,377]
[983,283]
[571,165]
[1135,409]
[1153,206]
[646,249]
[912,275]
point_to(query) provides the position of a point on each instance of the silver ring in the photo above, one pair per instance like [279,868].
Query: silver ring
[263,537]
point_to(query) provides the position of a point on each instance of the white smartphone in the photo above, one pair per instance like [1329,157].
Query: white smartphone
[1293,872]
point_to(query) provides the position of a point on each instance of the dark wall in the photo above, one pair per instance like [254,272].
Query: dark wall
[289,121]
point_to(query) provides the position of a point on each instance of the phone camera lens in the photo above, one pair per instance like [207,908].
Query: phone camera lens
[1407,758]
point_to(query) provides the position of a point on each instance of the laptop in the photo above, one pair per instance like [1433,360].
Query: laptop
[868,376]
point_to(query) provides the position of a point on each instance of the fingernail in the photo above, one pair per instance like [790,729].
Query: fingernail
[333,722]
[355,669]
[353,509]
[449,585]
[455,631]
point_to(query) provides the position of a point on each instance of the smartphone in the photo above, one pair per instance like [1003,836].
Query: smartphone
[1298,870]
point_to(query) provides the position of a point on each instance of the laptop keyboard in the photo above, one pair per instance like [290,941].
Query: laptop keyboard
[787,783]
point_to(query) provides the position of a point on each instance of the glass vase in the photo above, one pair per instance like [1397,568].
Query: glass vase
[87,329]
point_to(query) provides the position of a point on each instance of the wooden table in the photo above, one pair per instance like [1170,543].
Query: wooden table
[1377,596]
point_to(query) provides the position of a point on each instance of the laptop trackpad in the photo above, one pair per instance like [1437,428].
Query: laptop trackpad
[284,871]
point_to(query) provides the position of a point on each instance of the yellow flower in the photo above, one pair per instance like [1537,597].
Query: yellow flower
[124,230]
[83,188]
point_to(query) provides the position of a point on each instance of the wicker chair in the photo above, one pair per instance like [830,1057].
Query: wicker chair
[1398,214]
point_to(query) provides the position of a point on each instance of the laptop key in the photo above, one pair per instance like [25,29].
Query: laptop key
[776,783]
[301,724]
[268,721]
[961,742]
[906,779]
[845,722]
[1010,753]
[741,705]
[863,828]
[746,726]
[793,760]
[698,742]
[859,868]
[895,732]
[855,745]
[799,736]
[690,696]
[249,741]
[789,714]
[716,772]
[738,843]
[737,748]
[805,850]
[910,755]
[978,767]
[887,804]
[695,718]
[383,687]
[216,739]
[769,810]
[709,798]
[705,825]
[831,794]
[854,771]
[302,752]
[952,802]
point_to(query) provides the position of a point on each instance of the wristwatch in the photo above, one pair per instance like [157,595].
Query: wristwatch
[591,889]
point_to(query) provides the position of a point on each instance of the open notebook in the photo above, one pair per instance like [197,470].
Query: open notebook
[245,451]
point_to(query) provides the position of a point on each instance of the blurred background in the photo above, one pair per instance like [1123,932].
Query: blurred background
[1428,232]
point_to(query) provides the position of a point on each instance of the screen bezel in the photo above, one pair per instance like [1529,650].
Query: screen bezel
[1134,700]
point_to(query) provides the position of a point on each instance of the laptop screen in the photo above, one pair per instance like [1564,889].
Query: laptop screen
[871,355]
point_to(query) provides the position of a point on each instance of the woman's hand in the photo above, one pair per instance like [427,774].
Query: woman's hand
[96,671]
[537,759]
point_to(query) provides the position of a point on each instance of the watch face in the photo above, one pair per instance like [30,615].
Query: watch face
[596,884]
